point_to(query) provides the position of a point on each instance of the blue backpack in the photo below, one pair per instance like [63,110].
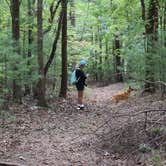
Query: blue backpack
[73,79]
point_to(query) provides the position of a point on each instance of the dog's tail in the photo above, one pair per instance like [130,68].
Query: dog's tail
[113,99]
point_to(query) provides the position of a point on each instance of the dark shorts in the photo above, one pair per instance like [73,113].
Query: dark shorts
[80,86]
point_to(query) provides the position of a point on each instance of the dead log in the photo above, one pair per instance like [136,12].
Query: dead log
[7,164]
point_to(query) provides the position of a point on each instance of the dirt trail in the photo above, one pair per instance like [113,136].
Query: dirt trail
[102,95]
[60,135]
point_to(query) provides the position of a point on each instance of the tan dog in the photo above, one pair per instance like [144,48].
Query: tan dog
[122,96]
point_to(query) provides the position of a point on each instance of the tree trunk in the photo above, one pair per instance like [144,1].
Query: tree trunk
[151,34]
[54,46]
[30,19]
[100,59]
[164,30]
[93,54]
[164,26]
[118,61]
[41,82]
[63,90]
[143,10]
[96,66]
[30,40]
[96,57]
[15,13]
[106,60]
[72,13]
[100,69]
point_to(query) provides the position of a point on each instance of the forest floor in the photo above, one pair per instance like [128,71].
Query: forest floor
[63,136]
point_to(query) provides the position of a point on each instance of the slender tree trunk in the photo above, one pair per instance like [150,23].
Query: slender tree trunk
[6,95]
[106,60]
[96,57]
[118,61]
[72,13]
[15,13]
[41,82]
[93,41]
[143,10]
[151,34]
[100,69]
[96,66]
[164,30]
[63,89]
[30,40]
[54,46]
[106,50]
[143,7]
[164,26]
[30,20]
[100,59]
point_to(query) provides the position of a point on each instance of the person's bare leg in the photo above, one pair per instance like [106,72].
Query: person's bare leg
[80,98]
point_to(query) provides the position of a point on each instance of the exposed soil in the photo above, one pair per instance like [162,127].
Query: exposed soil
[63,136]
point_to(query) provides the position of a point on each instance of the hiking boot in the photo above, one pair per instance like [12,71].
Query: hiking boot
[80,107]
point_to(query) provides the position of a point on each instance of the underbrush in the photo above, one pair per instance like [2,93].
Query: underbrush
[140,137]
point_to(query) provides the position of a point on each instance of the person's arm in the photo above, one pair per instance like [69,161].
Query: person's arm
[84,78]
[78,74]
[81,76]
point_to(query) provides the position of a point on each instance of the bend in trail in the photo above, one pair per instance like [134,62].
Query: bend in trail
[102,95]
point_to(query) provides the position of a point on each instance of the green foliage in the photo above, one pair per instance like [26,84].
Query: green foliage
[156,160]
[144,148]
[158,131]
[7,116]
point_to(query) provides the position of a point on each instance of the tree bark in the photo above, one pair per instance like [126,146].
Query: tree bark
[143,10]
[164,26]
[100,68]
[163,88]
[54,46]
[72,13]
[118,61]
[151,34]
[30,40]
[100,58]
[41,82]
[63,89]
[30,37]
[107,65]
[15,13]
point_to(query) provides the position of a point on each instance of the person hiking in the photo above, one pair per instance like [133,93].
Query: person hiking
[80,84]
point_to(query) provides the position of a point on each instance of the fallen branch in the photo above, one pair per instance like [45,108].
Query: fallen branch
[7,164]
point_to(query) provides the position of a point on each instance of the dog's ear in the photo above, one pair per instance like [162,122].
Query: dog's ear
[131,88]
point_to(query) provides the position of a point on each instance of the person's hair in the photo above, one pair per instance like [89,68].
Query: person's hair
[81,65]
